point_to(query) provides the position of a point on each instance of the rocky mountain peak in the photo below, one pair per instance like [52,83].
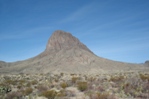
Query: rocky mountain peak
[65,53]
[64,40]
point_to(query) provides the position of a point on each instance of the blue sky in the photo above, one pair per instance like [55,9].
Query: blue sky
[113,29]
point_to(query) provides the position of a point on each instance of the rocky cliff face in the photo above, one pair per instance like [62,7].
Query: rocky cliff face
[65,53]
[64,40]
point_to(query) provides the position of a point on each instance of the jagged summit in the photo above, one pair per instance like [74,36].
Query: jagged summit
[64,40]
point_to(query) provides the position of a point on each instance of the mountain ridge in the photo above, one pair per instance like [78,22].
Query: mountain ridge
[65,53]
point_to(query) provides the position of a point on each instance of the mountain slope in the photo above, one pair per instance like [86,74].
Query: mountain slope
[65,53]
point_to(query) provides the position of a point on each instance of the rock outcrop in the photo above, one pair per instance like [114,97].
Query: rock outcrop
[63,40]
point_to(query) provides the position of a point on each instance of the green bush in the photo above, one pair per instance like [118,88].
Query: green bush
[34,82]
[50,94]
[74,79]
[63,85]
[82,86]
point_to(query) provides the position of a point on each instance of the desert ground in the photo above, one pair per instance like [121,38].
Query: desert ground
[126,85]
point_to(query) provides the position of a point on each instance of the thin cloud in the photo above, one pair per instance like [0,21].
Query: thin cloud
[78,14]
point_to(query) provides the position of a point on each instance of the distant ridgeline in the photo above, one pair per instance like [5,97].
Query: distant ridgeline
[65,53]
[147,63]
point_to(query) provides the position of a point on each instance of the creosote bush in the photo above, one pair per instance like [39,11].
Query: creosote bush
[74,79]
[144,77]
[82,86]
[63,85]
[34,82]
[50,94]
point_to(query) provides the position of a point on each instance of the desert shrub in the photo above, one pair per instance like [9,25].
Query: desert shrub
[116,78]
[62,74]
[72,74]
[82,86]
[50,94]
[89,93]
[19,86]
[14,95]
[34,82]
[145,87]
[42,88]
[10,82]
[28,84]
[74,79]
[22,82]
[7,78]
[62,93]
[104,95]
[3,84]
[100,88]
[99,95]
[5,89]
[144,77]
[63,85]
[56,80]
[70,93]
[90,86]
[144,96]
[52,86]
[28,91]
[69,83]
[93,96]
[91,79]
